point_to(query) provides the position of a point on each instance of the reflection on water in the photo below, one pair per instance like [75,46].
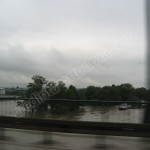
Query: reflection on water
[112,114]
[87,113]
[8,108]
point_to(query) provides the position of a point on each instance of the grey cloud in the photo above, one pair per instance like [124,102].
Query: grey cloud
[15,58]
[52,64]
[52,38]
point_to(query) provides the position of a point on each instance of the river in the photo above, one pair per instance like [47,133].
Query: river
[86,113]
[33,140]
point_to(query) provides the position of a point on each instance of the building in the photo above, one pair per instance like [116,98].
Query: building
[16,91]
[2,91]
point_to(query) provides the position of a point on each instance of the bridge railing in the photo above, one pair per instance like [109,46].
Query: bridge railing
[79,127]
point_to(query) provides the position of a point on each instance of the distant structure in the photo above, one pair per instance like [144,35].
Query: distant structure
[16,91]
[2,91]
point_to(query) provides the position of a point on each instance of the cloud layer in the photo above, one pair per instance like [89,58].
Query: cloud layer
[98,42]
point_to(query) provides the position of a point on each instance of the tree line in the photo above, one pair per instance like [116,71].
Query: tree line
[124,92]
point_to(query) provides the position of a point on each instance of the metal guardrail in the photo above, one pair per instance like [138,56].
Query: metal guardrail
[79,127]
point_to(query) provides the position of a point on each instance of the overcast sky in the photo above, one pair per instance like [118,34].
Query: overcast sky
[82,42]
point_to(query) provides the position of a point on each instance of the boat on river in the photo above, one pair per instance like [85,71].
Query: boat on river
[124,106]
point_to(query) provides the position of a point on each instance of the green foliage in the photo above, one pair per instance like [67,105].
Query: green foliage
[141,93]
[123,92]
[61,90]
[81,93]
[36,85]
[55,91]
[72,93]
[90,92]
[126,91]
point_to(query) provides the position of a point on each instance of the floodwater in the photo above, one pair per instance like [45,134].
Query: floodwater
[34,140]
[86,113]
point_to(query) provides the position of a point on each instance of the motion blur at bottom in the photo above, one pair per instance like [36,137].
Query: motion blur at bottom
[35,140]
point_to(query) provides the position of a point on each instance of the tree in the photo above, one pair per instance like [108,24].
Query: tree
[90,91]
[81,93]
[41,89]
[126,91]
[65,93]
[72,93]
[36,85]
[62,90]
[141,93]
[52,89]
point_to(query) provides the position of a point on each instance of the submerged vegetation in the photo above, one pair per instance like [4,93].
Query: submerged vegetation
[124,92]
